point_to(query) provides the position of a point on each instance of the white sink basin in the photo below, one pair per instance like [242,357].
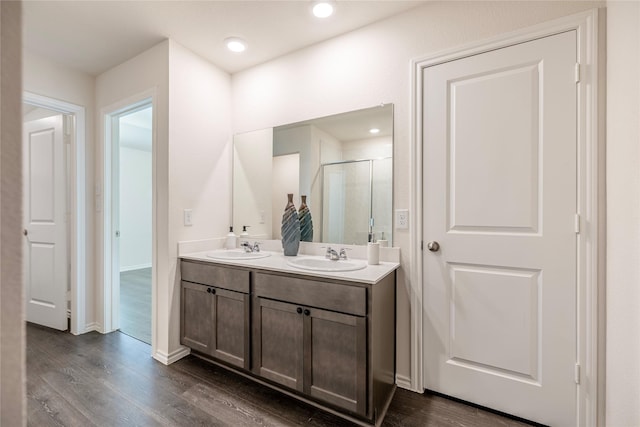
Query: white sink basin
[237,254]
[323,264]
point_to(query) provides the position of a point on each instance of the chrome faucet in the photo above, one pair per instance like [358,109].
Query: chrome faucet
[248,248]
[332,254]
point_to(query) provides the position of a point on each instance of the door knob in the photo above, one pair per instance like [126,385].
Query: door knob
[433,246]
[25,232]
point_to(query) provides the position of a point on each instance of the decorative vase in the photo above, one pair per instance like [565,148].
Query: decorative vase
[306,223]
[290,228]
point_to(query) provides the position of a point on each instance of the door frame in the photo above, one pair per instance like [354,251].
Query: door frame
[108,297]
[77,195]
[591,202]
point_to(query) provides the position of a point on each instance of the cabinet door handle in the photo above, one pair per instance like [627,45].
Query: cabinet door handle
[299,310]
[307,312]
[208,290]
[213,291]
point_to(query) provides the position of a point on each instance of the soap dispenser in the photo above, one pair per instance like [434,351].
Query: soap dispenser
[232,239]
[245,233]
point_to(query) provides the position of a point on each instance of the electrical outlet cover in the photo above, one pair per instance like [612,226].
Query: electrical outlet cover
[402,219]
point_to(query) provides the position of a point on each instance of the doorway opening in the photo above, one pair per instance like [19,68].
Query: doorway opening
[131,142]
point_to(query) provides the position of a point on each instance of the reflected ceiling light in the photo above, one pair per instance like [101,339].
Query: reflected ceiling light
[374,130]
[235,44]
[322,9]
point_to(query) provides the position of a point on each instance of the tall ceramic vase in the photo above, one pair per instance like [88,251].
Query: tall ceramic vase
[306,223]
[290,229]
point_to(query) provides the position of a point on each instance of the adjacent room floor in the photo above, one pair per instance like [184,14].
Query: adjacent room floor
[135,304]
[111,380]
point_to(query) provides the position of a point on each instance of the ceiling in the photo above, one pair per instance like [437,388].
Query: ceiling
[354,125]
[94,36]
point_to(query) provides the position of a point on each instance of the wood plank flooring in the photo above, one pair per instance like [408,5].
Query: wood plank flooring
[135,304]
[111,380]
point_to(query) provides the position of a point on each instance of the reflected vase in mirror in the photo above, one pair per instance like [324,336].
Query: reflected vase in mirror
[290,228]
[306,223]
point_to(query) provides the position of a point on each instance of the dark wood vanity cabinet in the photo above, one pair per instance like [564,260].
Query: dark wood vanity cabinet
[215,319]
[317,351]
[328,342]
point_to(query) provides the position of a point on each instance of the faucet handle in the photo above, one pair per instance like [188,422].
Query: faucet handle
[328,252]
[256,247]
[343,252]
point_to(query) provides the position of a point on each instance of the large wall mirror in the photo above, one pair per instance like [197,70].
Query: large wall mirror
[342,164]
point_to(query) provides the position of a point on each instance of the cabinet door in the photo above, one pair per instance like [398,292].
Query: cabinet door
[335,363]
[196,317]
[277,342]
[230,340]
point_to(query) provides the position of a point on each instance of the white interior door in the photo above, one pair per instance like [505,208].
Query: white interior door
[45,213]
[499,172]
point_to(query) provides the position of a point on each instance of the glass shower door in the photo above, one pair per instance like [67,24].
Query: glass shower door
[346,202]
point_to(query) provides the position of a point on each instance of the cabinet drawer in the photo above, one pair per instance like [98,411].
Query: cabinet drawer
[213,275]
[330,296]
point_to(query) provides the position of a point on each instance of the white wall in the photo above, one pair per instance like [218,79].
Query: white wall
[372,66]
[252,175]
[369,148]
[200,147]
[146,72]
[135,207]
[623,214]
[192,150]
[44,77]
[12,327]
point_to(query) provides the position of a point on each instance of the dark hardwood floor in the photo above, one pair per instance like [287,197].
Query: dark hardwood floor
[135,304]
[111,380]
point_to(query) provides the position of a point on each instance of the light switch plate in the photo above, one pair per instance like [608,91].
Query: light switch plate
[402,219]
[188,217]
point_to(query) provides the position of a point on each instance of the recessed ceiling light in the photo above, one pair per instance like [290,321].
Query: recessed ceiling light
[323,9]
[235,44]
[374,130]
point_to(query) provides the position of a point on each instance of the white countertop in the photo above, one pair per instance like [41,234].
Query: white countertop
[371,274]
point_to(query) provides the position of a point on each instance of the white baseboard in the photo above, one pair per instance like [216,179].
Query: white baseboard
[405,383]
[172,357]
[91,327]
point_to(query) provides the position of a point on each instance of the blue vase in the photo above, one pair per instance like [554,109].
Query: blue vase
[290,229]
[306,223]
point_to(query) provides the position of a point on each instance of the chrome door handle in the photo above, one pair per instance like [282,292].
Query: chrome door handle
[433,246]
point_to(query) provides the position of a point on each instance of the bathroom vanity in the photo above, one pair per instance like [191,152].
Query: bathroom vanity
[326,338]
